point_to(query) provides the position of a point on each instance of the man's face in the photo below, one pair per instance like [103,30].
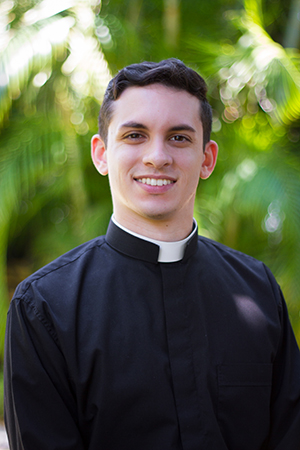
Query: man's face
[154,155]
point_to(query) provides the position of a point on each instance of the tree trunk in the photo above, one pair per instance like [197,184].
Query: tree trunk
[292,32]
[171,21]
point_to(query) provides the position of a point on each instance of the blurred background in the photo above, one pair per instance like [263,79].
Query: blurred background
[57,57]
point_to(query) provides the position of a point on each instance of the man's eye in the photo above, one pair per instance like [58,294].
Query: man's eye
[179,138]
[134,136]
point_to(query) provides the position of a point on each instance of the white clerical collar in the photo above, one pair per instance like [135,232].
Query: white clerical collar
[168,251]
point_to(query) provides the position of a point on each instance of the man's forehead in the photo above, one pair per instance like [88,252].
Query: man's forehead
[161,87]
[177,101]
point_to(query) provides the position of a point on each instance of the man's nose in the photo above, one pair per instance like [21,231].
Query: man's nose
[157,154]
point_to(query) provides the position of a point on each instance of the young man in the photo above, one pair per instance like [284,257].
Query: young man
[151,337]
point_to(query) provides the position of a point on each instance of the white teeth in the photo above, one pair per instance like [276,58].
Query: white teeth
[154,181]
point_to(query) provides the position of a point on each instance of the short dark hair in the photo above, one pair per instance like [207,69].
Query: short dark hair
[169,72]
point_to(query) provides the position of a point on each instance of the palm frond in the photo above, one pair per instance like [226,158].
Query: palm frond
[49,52]
[27,53]
[254,64]
[47,37]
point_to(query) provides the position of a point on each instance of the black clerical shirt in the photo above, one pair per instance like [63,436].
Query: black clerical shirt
[107,349]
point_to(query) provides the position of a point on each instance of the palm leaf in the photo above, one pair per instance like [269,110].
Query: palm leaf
[255,63]
[51,52]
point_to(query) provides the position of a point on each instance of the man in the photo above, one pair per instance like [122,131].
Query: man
[151,337]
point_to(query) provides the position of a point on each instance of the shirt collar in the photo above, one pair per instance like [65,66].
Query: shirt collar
[165,252]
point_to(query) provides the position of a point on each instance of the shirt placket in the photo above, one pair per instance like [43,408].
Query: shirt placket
[179,338]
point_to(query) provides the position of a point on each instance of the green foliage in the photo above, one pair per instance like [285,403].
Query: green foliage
[255,91]
[53,75]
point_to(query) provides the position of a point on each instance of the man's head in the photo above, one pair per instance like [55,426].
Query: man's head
[154,145]
[170,73]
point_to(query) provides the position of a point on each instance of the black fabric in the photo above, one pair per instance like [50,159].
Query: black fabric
[106,349]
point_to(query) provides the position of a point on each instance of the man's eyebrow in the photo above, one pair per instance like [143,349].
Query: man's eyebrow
[132,124]
[183,127]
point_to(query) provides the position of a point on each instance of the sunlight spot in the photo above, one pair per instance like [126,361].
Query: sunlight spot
[103,34]
[82,128]
[273,221]
[216,125]
[3,79]
[6,6]
[20,60]
[267,105]
[77,118]
[229,183]
[246,40]
[249,310]
[230,180]
[80,78]
[42,46]
[264,55]
[226,94]
[247,169]
[230,114]
[40,79]
[57,31]
[224,73]
[235,82]
[45,9]
[85,16]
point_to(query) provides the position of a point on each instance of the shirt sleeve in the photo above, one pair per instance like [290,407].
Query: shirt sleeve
[285,408]
[40,409]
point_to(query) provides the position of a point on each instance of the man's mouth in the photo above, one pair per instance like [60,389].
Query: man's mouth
[155,181]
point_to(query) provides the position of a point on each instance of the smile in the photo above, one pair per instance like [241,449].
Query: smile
[154,181]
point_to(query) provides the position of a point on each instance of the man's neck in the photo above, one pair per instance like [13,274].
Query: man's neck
[165,231]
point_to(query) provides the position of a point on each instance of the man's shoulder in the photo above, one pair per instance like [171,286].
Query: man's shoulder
[217,252]
[67,263]
[222,248]
[221,262]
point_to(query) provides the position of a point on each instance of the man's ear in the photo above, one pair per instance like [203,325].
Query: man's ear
[210,159]
[98,151]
